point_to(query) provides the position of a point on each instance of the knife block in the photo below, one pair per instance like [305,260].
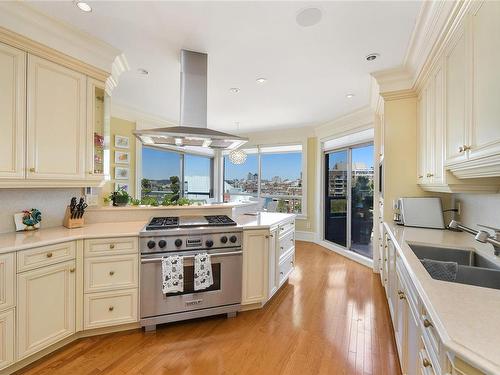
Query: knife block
[70,223]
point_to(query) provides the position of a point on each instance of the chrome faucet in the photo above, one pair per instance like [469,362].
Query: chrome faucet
[481,235]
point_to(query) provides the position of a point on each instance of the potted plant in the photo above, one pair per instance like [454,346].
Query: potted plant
[119,198]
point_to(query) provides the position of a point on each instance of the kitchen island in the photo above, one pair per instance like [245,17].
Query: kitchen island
[91,276]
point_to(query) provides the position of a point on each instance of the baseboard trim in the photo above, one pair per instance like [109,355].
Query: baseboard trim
[305,236]
[346,253]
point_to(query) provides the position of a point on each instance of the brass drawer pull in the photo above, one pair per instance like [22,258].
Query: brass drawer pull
[111,245]
[427,323]
[111,273]
[72,270]
[111,308]
[426,363]
[32,170]
[49,255]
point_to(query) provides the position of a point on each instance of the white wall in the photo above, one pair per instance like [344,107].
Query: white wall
[480,209]
[51,202]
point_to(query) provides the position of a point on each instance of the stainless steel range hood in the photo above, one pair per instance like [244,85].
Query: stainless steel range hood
[192,133]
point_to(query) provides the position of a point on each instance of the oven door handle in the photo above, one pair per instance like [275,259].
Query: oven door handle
[154,260]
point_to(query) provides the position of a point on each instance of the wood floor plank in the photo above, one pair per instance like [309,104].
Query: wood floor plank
[331,318]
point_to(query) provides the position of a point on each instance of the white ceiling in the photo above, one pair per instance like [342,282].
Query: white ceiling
[309,70]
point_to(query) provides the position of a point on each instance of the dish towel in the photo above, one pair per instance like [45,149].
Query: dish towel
[202,271]
[172,269]
[445,271]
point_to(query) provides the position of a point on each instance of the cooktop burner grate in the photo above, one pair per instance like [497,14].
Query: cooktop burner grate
[163,223]
[214,220]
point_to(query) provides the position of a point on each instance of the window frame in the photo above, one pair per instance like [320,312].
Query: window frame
[182,191]
[267,149]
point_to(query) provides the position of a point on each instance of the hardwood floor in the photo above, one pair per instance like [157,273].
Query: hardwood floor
[330,319]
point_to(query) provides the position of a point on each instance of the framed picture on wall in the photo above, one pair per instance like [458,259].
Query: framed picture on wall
[121,141]
[121,173]
[121,186]
[122,157]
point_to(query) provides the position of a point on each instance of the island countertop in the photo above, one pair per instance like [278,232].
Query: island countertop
[47,236]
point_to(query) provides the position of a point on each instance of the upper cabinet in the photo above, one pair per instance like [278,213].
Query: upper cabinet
[54,123]
[459,114]
[12,111]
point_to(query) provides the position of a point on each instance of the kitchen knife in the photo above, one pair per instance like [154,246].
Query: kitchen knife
[72,207]
[79,208]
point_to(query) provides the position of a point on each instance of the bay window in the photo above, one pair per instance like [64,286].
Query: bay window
[272,174]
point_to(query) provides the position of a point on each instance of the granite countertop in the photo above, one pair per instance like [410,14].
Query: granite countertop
[25,240]
[465,316]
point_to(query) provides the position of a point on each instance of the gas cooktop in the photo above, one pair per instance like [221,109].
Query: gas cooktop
[172,222]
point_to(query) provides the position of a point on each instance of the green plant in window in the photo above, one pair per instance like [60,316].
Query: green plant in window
[135,202]
[146,186]
[174,187]
[282,206]
[149,201]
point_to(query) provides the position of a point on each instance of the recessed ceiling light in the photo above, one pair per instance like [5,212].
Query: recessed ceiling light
[372,56]
[142,71]
[234,90]
[261,80]
[349,96]
[83,6]
[308,17]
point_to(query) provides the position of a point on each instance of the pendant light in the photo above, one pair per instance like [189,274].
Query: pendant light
[237,156]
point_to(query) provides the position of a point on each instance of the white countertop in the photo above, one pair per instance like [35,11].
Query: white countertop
[25,240]
[465,316]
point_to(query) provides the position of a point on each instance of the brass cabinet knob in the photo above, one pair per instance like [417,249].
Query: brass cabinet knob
[111,308]
[430,175]
[426,363]
[272,235]
[111,245]
[420,176]
[111,273]
[72,270]
[281,247]
[461,149]
[32,170]
[466,148]
[49,255]
[267,236]
[427,323]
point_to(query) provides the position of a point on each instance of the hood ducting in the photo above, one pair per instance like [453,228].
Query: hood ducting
[192,133]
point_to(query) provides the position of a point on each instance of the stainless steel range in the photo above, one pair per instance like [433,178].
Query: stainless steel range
[187,236]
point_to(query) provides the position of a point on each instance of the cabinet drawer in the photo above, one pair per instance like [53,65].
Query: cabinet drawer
[286,227]
[113,272]
[425,366]
[430,336]
[286,267]
[110,308]
[7,280]
[45,255]
[286,243]
[110,246]
[7,338]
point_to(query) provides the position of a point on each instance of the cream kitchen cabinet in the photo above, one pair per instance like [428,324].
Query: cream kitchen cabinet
[255,266]
[45,307]
[7,280]
[7,337]
[273,262]
[12,111]
[56,129]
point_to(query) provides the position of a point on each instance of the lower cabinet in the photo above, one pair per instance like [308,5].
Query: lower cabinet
[273,263]
[110,308]
[7,331]
[46,307]
[255,266]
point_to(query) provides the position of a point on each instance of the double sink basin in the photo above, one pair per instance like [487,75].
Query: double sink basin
[473,268]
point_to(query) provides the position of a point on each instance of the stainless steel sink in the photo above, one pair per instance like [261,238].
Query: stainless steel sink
[473,268]
[461,256]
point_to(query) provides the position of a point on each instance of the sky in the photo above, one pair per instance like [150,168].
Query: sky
[160,165]
[359,155]
[286,166]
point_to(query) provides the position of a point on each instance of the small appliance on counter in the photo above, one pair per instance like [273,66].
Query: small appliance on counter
[422,212]
[73,217]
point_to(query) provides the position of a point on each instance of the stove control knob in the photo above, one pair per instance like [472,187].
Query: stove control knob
[209,243]
[223,239]
[178,242]
[162,243]
[233,239]
[151,244]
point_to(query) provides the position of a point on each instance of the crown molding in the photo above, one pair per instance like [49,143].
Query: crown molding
[357,120]
[42,29]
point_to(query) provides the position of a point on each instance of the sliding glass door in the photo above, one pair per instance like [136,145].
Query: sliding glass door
[349,198]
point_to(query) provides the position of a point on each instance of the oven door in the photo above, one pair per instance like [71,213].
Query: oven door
[226,289]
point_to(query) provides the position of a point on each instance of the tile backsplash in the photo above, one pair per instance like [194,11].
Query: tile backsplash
[51,202]
[480,209]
